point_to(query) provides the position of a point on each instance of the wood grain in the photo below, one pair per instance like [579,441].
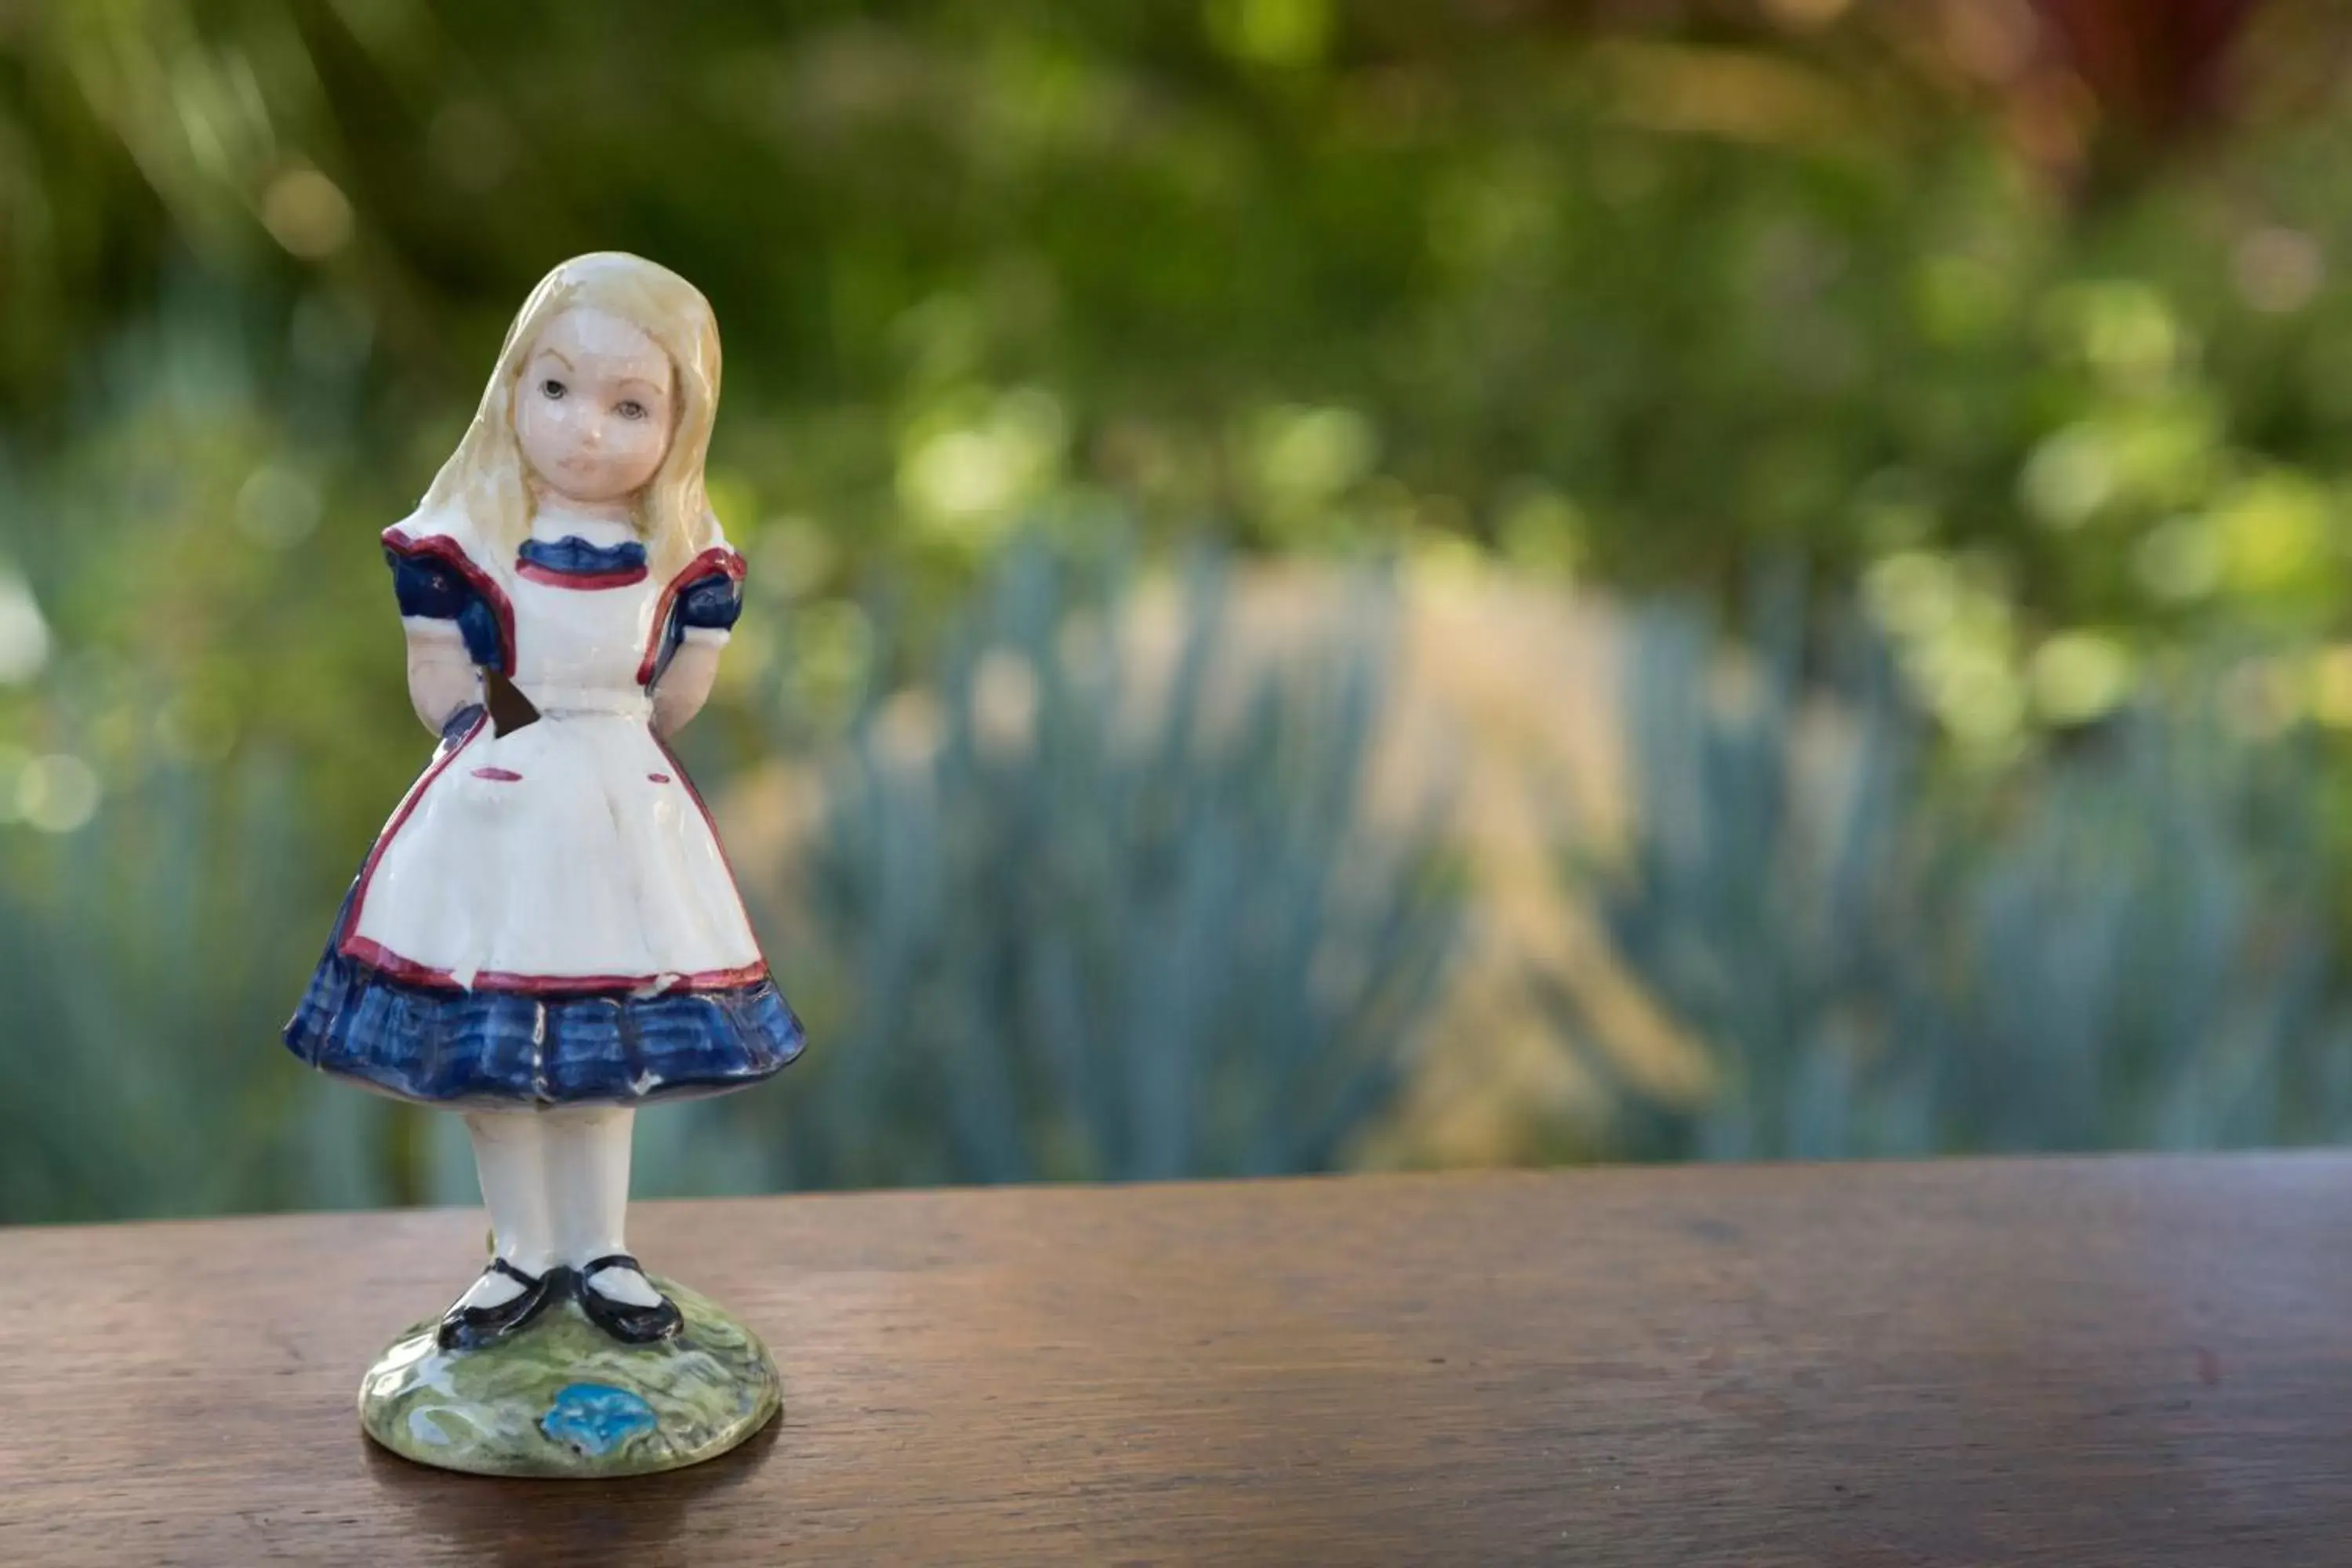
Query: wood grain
[2126,1362]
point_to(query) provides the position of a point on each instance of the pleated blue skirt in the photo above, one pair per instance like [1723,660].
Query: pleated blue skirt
[442,1046]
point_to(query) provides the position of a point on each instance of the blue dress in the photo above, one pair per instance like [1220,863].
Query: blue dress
[548,918]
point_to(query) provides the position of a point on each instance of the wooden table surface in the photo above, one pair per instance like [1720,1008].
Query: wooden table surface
[2137,1362]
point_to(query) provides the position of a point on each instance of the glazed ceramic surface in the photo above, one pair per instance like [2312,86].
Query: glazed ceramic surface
[585,813]
[546,933]
[561,1399]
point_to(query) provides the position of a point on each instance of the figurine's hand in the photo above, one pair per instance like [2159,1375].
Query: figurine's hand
[459,722]
[442,679]
[685,684]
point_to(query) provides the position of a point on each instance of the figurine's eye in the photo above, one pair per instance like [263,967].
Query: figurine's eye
[630,409]
[551,389]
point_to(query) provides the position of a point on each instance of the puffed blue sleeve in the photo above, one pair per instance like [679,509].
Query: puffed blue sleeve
[710,604]
[430,588]
[702,609]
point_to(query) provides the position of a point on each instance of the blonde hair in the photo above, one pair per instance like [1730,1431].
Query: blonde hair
[482,494]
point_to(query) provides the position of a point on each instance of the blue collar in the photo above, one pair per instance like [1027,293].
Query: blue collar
[572,556]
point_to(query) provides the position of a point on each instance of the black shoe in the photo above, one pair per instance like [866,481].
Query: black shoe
[625,1321]
[470,1328]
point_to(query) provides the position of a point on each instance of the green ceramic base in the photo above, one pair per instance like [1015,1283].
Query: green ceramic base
[561,1399]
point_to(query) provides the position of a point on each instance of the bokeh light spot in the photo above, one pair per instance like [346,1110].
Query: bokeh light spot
[2277,270]
[57,794]
[2069,477]
[1271,32]
[276,506]
[2180,559]
[2076,676]
[24,634]
[307,213]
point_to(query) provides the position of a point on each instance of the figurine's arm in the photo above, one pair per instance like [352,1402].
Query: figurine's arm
[706,618]
[441,677]
[685,681]
[451,631]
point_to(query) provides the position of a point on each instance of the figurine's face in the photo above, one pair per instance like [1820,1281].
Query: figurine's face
[593,408]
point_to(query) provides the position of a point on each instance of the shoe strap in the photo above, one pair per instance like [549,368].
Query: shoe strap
[500,1265]
[611,1260]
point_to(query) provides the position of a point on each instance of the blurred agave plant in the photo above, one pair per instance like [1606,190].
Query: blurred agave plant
[2125,945]
[2147,963]
[1097,915]
[143,965]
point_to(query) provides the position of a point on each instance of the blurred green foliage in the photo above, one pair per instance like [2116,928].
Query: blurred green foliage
[143,980]
[2040,351]
[2124,945]
[1102,911]
[1633,290]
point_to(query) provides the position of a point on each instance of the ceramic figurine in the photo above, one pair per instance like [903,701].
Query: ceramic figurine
[547,935]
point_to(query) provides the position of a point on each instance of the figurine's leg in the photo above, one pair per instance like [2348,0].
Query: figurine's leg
[509,1158]
[588,1192]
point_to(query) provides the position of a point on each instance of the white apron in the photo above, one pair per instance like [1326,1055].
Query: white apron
[570,853]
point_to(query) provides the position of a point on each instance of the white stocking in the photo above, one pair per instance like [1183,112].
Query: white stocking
[587,1169]
[508,1159]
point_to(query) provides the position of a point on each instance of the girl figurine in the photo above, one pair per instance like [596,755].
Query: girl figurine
[547,934]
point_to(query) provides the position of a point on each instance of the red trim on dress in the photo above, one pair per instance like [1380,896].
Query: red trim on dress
[621,578]
[408,803]
[734,884]
[443,548]
[373,953]
[718,558]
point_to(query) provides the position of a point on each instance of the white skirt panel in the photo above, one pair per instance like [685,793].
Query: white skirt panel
[572,851]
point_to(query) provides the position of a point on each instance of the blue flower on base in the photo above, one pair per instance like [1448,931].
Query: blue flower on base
[596,1418]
